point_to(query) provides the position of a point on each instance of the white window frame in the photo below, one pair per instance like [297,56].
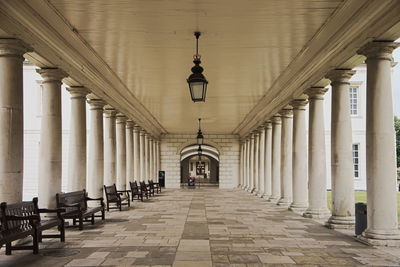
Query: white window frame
[356,170]
[356,98]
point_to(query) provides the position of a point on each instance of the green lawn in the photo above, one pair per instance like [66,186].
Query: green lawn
[361,196]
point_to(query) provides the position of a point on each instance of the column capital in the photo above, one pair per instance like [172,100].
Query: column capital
[339,76]
[12,48]
[96,103]
[268,124]
[256,132]
[120,118]
[109,111]
[276,119]
[261,128]
[129,124]
[299,104]
[136,128]
[316,92]
[142,132]
[379,50]
[52,74]
[78,92]
[286,112]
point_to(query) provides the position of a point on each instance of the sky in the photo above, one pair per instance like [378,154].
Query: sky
[396,81]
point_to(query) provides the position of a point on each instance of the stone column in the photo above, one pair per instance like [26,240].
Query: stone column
[286,157]
[268,160]
[77,139]
[95,179]
[300,177]
[317,206]
[251,164]
[136,153]
[245,183]
[151,159]
[142,155]
[120,128]
[276,158]
[261,163]
[241,164]
[256,162]
[155,160]
[11,120]
[381,155]
[50,137]
[129,153]
[110,174]
[342,169]
[248,176]
[146,157]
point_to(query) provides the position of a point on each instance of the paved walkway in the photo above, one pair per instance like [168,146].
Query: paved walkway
[204,227]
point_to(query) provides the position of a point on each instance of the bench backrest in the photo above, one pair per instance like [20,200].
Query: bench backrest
[72,198]
[143,186]
[23,208]
[111,192]
[134,186]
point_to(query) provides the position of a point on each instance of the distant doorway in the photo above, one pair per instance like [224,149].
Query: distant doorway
[205,170]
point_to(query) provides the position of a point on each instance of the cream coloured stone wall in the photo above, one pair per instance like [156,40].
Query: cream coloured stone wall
[227,145]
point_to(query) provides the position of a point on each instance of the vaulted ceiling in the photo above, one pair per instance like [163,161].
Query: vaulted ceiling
[257,54]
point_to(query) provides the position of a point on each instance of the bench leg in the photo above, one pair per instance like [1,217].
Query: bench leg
[120,205]
[80,222]
[74,221]
[108,206]
[92,219]
[61,228]
[40,238]
[103,214]
[8,248]
[35,243]
[129,202]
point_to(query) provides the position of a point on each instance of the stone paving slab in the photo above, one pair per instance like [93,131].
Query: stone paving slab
[204,227]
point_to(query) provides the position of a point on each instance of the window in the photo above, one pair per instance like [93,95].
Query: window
[353,90]
[356,160]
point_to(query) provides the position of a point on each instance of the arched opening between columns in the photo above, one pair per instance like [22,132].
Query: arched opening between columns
[205,169]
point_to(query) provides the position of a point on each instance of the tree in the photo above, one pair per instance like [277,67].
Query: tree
[397,129]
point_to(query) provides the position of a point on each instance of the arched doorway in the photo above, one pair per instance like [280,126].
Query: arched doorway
[204,169]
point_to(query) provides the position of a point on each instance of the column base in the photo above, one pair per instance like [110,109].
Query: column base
[273,199]
[340,222]
[298,207]
[316,213]
[266,197]
[260,194]
[380,238]
[284,202]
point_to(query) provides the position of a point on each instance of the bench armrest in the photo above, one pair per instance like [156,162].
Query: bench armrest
[123,191]
[99,198]
[51,210]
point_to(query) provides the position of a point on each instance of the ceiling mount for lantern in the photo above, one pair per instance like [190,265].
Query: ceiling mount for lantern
[197,81]
[200,137]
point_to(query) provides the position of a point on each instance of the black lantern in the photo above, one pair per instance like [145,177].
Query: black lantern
[197,82]
[200,137]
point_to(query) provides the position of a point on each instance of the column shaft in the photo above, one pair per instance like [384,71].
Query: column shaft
[268,160]
[146,157]
[77,139]
[142,156]
[261,164]
[95,179]
[11,120]
[276,159]
[129,153]
[256,162]
[110,174]
[300,176]
[121,151]
[342,171]
[286,158]
[50,137]
[136,153]
[252,173]
[317,207]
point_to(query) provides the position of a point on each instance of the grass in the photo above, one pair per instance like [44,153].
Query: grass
[361,196]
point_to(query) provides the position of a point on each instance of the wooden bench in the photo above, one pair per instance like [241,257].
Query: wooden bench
[135,191]
[20,220]
[119,197]
[146,189]
[76,207]
[156,186]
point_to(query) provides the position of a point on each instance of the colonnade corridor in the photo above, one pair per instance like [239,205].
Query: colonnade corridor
[205,227]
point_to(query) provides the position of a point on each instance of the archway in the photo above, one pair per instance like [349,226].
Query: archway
[204,169]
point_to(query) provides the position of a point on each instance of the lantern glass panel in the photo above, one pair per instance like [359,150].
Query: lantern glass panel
[197,90]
